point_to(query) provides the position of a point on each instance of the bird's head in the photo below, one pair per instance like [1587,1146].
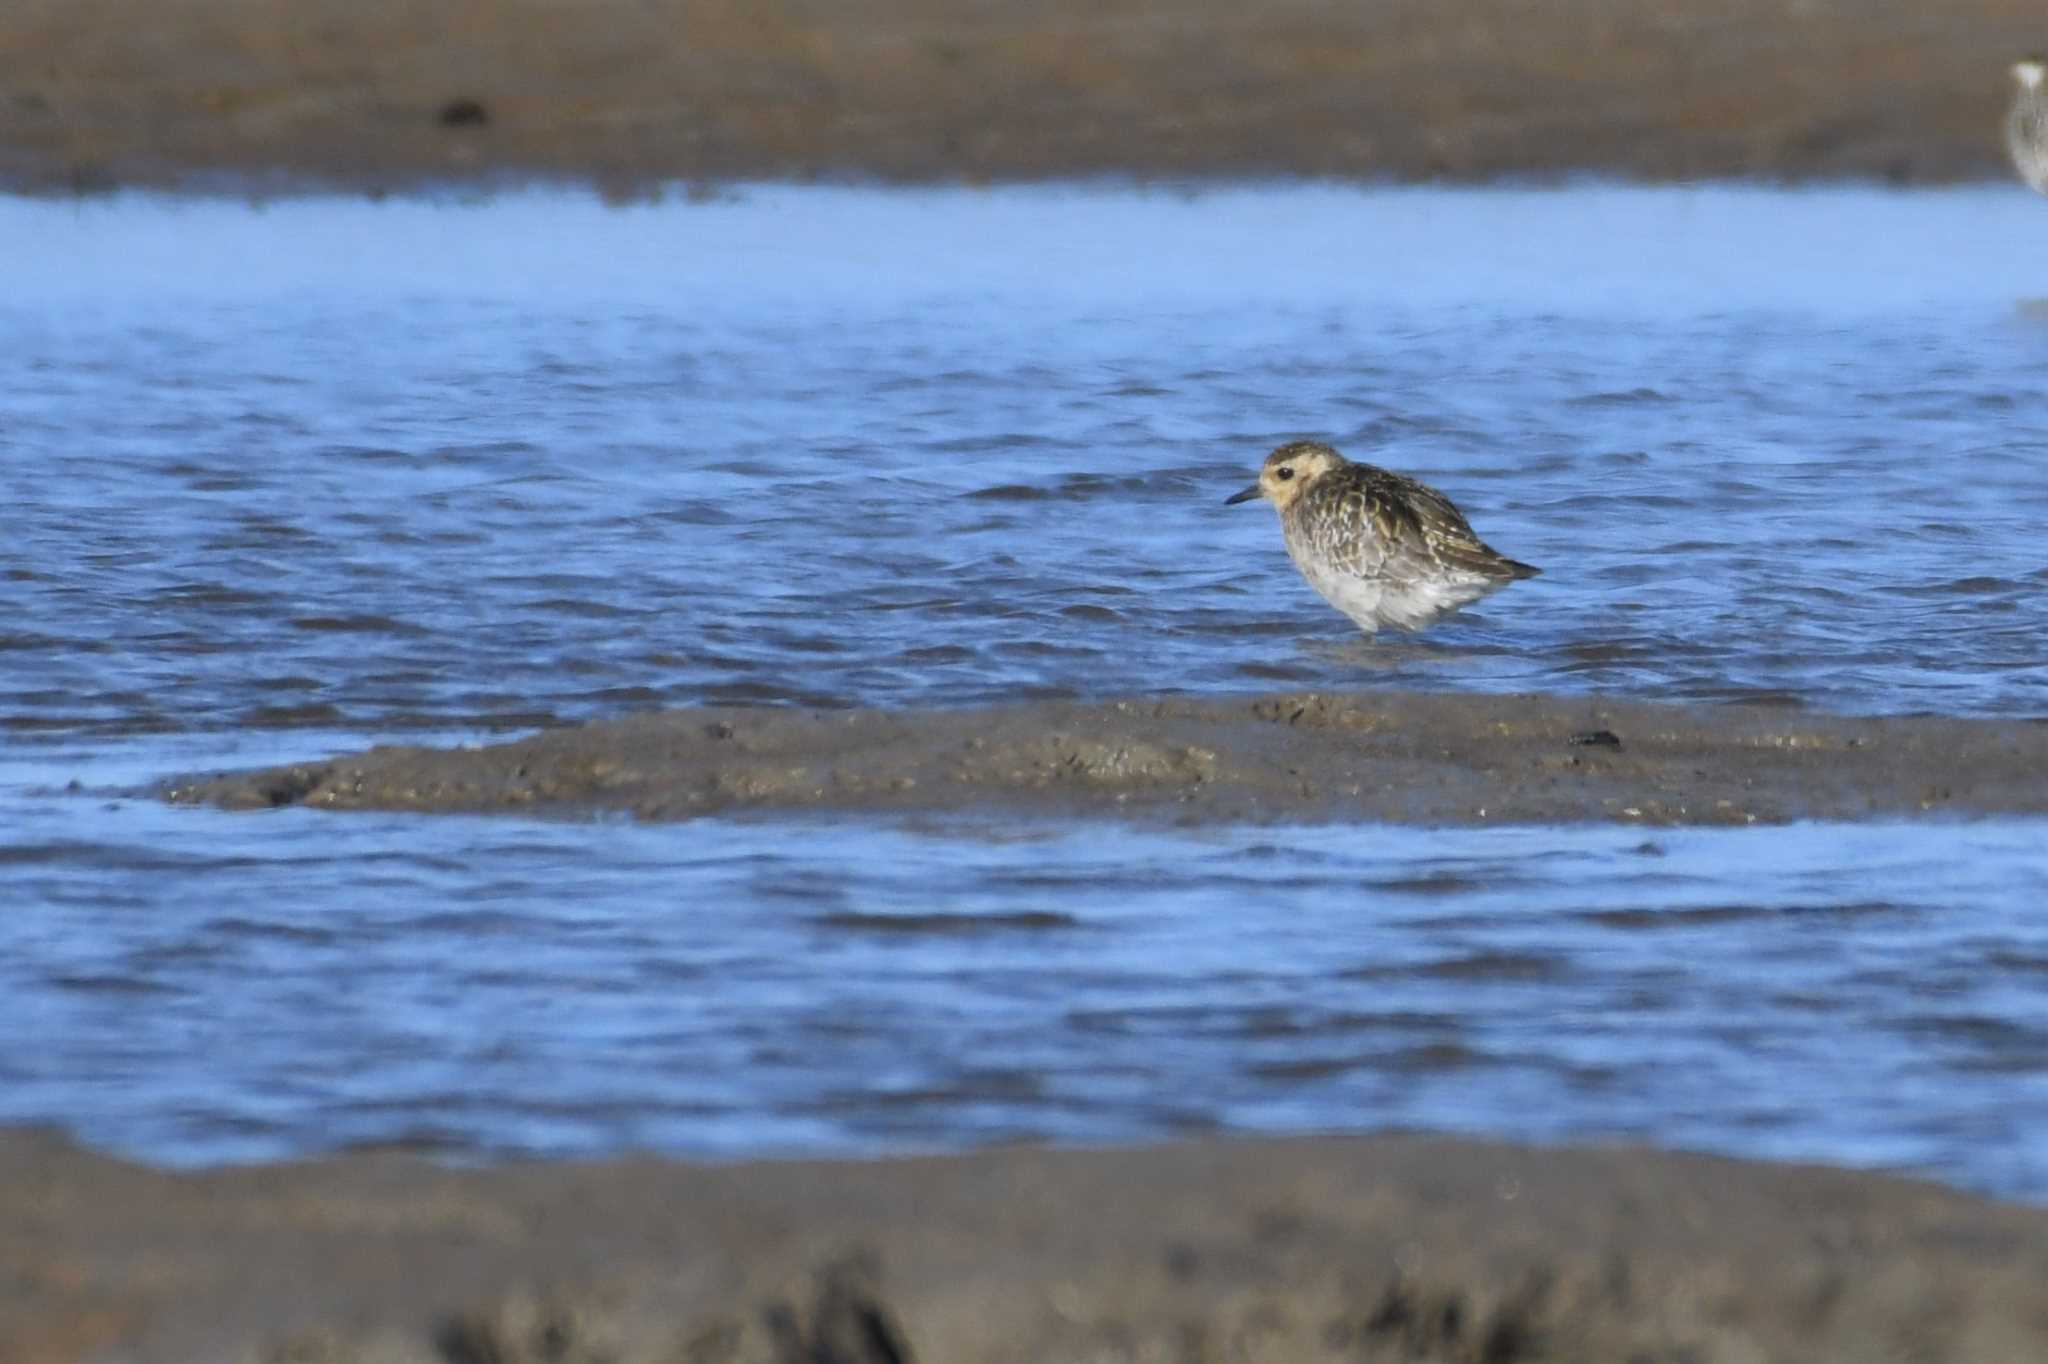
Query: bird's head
[1288,472]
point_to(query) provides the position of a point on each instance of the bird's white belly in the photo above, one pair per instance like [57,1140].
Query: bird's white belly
[1409,604]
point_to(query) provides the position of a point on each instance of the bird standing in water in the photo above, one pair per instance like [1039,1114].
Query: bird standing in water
[1379,546]
[2026,126]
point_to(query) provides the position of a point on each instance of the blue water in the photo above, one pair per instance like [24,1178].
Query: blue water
[287,479]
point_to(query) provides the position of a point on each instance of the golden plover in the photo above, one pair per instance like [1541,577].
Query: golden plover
[2026,126]
[1380,547]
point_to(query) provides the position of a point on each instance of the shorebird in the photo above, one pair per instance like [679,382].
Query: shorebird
[2026,126]
[1379,546]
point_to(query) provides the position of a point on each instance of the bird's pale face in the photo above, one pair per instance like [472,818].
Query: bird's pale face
[1288,472]
[2029,72]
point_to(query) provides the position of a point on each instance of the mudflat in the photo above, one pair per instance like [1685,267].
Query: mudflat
[1409,758]
[1374,1248]
[387,94]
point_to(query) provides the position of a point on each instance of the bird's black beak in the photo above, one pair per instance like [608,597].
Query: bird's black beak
[1247,495]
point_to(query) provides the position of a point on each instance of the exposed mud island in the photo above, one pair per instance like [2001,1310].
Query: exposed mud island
[1410,1248]
[1313,757]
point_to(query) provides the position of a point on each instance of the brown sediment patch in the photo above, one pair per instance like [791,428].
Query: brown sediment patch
[1360,1249]
[381,94]
[1430,759]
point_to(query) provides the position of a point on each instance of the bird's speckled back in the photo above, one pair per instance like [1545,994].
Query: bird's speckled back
[1375,523]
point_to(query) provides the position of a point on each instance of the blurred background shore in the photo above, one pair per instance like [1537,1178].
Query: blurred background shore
[384,94]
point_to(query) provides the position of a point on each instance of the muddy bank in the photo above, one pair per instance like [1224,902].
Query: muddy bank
[380,94]
[1430,759]
[1387,1248]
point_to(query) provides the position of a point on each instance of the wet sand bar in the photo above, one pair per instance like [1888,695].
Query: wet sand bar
[386,94]
[1407,758]
[1382,1248]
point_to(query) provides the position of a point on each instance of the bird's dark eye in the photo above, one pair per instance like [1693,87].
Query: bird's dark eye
[1284,472]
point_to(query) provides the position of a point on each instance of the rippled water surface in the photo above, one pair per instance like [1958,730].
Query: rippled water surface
[286,479]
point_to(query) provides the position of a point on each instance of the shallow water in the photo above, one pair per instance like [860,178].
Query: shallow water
[296,981]
[382,466]
[289,479]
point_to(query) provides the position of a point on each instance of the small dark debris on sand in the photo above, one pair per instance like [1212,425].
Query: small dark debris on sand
[463,113]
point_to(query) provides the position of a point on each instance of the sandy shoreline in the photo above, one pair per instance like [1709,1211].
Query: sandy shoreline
[1404,758]
[1374,1248]
[387,94]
